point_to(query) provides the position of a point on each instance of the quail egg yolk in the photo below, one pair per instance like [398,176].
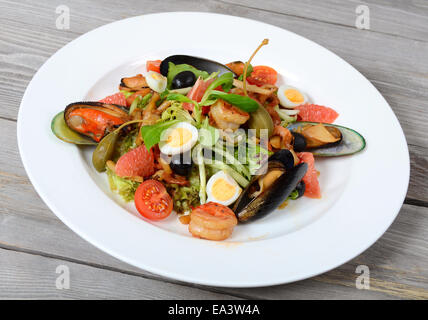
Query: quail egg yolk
[223,190]
[179,137]
[156,76]
[294,95]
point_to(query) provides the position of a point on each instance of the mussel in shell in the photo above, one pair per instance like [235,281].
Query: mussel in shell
[135,83]
[326,140]
[94,119]
[267,191]
[202,64]
[63,132]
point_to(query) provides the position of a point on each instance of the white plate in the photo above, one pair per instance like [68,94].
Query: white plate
[362,194]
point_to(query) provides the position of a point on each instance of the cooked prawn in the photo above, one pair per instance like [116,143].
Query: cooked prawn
[225,116]
[212,221]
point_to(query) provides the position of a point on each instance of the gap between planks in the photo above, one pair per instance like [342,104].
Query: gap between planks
[317,20]
[122,271]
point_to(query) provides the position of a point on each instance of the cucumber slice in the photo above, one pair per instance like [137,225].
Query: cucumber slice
[63,132]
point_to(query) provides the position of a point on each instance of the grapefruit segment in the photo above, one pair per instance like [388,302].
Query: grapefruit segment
[311,177]
[117,98]
[316,113]
[136,162]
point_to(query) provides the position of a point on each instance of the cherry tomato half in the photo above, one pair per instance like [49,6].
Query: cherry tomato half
[152,200]
[263,75]
[153,65]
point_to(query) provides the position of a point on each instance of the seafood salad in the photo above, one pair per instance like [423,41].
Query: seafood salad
[213,144]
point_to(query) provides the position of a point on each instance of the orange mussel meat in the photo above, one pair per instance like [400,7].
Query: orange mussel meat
[94,119]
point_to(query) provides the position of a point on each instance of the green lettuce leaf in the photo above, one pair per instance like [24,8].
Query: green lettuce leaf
[124,187]
[184,198]
[176,112]
[208,135]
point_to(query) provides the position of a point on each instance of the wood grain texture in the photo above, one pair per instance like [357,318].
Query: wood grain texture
[392,55]
[31,276]
[386,16]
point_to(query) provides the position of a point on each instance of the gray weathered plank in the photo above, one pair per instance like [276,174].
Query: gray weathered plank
[407,19]
[28,276]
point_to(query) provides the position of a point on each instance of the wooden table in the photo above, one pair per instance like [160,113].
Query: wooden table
[392,54]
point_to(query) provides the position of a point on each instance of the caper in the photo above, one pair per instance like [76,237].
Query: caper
[261,119]
[104,151]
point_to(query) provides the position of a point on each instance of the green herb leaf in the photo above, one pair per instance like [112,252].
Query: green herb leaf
[249,71]
[225,80]
[164,94]
[208,102]
[152,134]
[242,102]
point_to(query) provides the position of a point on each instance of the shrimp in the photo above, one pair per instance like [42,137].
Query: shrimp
[226,116]
[212,221]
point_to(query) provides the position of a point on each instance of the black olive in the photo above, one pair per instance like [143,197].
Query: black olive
[183,79]
[301,187]
[299,143]
[285,157]
[181,164]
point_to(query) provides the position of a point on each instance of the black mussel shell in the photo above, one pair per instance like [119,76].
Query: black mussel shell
[285,157]
[181,164]
[299,143]
[247,208]
[199,63]
[183,79]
